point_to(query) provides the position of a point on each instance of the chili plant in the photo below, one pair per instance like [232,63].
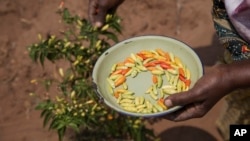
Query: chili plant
[75,104]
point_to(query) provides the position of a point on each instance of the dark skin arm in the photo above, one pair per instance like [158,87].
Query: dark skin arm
[98,9]
[217,82]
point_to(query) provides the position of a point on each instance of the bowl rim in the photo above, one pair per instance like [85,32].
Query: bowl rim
[125,41]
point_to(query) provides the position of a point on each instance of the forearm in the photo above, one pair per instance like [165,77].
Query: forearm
[236,75]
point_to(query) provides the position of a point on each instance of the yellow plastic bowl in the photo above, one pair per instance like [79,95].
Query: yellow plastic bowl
[141,83]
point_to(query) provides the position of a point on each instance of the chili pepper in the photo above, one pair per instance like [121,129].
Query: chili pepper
[157,72]
[244,49]
[116,94]
[124,71]
[150,64]
[116,72]
[142,56]
[181,72]
[186,81]
[182,78]
[154,79]
[105,27]
[129,60]
[160,52]
[165,66]
[120,80]
[161,103]
[151,68]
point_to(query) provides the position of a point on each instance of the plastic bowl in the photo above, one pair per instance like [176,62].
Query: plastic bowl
[141,83]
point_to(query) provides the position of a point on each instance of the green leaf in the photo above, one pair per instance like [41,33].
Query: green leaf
[111,36]
[33,53]
[117,27]
[47,118]
[42,58]
[43,105]
[74,126]
[60,125]
[67,17]
[54,123]
[61,133]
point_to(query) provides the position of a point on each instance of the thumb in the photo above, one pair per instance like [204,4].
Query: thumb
[179,99]
[99,18]
[96,13]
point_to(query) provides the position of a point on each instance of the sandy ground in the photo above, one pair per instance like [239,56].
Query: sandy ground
[22,20]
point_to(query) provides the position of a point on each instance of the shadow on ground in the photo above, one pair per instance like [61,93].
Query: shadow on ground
[186,133]
[210,54]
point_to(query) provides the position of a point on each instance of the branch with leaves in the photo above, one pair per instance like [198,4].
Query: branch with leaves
[75,105]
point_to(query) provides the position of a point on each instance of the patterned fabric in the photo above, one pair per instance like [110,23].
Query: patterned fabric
[237,47]
[237,108]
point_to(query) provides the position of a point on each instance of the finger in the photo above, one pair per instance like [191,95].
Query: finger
[180,99]
[185,113]
[96,13]
[99,18]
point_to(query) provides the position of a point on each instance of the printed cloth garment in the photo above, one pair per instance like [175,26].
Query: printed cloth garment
[230,39]
[238,12]
[237,108]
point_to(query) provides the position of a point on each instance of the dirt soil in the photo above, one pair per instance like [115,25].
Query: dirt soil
[21,21]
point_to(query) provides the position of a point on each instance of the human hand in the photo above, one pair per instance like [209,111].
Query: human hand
[98,9]
[201,98]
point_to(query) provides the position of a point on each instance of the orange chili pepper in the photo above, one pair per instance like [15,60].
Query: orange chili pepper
[156,62]
[124,71]
[187,82]
[150,64]
[116,94]
[119,81]
[149,55]
[154,79]
[160,52]
[161,100]
[161,103]
[167,56]
[129,60]
[116,72]
[151,68]
[120,64]
[142,56]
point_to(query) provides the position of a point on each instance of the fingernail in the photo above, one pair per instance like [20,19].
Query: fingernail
[168,103]
[98,24]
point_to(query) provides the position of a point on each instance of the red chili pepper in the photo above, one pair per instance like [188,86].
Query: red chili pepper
[142,56]
[182,78]
[186,81]
[124,71]
[164,66]
[181,72]
[150,64]
[244,49]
